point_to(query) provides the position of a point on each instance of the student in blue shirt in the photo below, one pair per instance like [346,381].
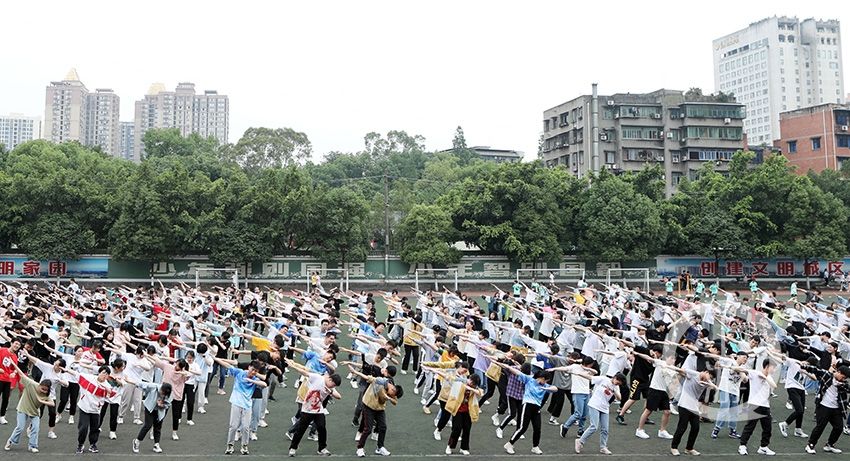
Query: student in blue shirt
[532,399]
[244,382]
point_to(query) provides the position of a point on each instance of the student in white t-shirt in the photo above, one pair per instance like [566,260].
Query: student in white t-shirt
[694,384]
[761,385]
[603,389]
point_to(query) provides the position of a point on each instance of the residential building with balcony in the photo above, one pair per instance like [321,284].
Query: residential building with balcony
[670,128]
[17,129]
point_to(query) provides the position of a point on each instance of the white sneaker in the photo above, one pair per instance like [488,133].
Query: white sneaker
[324,452]
[263,423]
[675,452]
[266,412]
[113,436]
[742,450]
[783,428]
[354,385]
[4,421]
[8,445]
[605,451]
[135,445]
[800,433]
[641,434]
[831,449]
[437,434]
[665,435]
[58,417]
[253,436]
[51,435]
[464,452]
[536,451]
[448,451]
[810,450]
[789,406]
[157,448]
[382,451]
[674,409]
[190,423]
[360,453]
[35,450]
[513,422]
[202,410]
[499,433]
[495,419]
[765,451]
[120,420]
[553,421]
[374,436]
[292,452]
[579,445]
[846,430]
[174,436]
[207,401]
[404,372]
[137,422]
[416,390]
[509,449]
[70,419]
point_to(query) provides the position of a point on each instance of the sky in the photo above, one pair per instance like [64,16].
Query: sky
[337,70]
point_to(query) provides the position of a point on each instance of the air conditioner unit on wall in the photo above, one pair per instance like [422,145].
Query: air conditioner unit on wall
[656,115]
[844,128]
[610,102]
[669,135]
[603,136]
[727,120]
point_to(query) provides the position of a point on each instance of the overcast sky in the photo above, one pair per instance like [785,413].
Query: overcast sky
[340,69]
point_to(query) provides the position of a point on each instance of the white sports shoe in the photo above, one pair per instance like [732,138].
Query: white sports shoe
[509,449]
[437,434]
[382,451]
[742,450]
[783,428]
[157,448]
[536,450]
[495,419]
[499,433]
[641,434]
[665,435]
[766,451]
[360,453]
[113,436]
[448,451]
[831,449]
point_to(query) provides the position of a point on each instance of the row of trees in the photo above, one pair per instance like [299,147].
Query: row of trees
[262,197]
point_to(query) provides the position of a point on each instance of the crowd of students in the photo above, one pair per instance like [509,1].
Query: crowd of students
[579,358]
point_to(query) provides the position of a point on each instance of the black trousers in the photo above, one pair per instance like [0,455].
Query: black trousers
[556,406]
[437,389]
[88,425]
[69,395]
[530,416]
[410,351]
[189,397]
[824,416]
[503,394]
[686,418]
[304,422]
[176,413]
[444,418]
[514,406]
[5,392]
[113,416]
[461,427]
[151,421]
[372,419]
[798,400]
[766,426]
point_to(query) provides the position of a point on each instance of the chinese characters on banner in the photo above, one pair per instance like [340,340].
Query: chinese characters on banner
[24,267]
[781,267]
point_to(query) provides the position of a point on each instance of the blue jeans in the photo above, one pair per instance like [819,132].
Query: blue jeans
[727,416]
[580,403]
[222,373]
[23,421]
[483,379]
[598,422]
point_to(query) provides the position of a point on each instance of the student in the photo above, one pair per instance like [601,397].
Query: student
[580,388]
[318,387]
[832,401]
[156,399]
[795,387]
[9,377]
[34,396]
[761,385]
[692,387]
[730,389]
[244,383]
[378,393]
[466,412]
[598,406]
[532,401]
[94,390]
[657,397]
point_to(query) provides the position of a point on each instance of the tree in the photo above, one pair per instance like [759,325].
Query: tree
[813,228]
[168,141]
[618,223]
[338,229]
[426,235]
[460,149]
[56,236]
[261,148]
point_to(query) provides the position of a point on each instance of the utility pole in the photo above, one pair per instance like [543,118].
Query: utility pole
[386,227]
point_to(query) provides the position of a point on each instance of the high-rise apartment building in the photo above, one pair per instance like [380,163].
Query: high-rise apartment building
[206,114]
[103,124]
[626,131]
[779,64]
[66,110]
[17,129]
[72,113]
[126,141]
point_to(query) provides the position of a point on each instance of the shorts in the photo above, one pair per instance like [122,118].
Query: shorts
[638,389]
[657,400]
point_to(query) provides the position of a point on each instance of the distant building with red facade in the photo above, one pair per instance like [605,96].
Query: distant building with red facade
[815,138]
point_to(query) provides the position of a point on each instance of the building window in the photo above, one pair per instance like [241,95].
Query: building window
[842,140]
[816,143]
[792,147]
[609,157]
